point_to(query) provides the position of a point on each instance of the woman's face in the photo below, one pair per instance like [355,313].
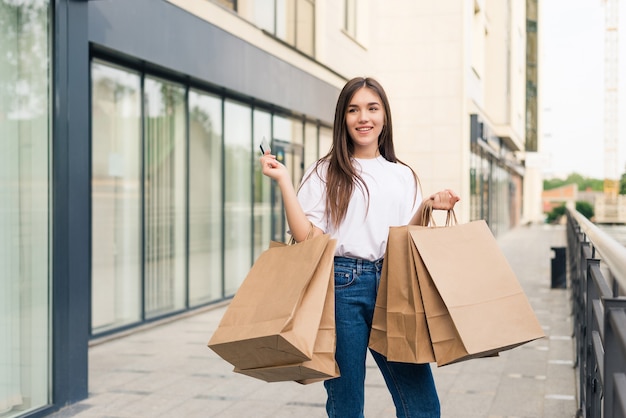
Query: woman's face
[365,118]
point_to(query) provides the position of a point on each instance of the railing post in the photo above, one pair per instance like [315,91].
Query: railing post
[614,353]
[574,251]
[579,272]
[593,384]
[581,315]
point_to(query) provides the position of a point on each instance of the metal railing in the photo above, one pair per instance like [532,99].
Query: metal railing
[597,267]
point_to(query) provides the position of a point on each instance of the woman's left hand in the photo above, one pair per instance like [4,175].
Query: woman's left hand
[444,199]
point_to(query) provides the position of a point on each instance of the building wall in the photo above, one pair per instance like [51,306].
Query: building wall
[533,186]
[440,62]
[505,71]
[419,52]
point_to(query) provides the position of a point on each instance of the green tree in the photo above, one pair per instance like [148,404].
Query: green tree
[556,213]
[583,183]
[549,184]
[585,208]
[622,184]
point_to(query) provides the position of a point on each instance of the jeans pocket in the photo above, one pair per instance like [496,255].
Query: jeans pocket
[344,276]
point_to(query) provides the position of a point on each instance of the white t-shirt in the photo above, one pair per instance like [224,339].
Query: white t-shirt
[363,233]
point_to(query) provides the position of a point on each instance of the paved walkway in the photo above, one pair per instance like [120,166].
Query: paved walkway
[167,370]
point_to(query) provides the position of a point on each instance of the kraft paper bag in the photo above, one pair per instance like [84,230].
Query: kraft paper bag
[322,365]
[378,332]
[475,306]
[275,316]
[399,304]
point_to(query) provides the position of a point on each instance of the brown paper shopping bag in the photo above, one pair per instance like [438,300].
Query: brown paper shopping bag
[378,332]
[322,365]
[399,328]
[474,304]
[274,318]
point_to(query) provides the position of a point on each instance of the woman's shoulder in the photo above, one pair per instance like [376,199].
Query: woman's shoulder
[398,167]
[317,170]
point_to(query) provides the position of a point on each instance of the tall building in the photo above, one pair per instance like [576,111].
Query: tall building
[130,185]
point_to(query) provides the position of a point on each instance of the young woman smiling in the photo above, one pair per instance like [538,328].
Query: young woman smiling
[355,193]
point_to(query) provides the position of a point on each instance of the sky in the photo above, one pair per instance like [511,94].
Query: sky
[571,87]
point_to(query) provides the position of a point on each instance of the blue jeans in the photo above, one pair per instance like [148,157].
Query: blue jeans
[411,385]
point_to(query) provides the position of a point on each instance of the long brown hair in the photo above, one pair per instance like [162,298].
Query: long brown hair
[342,176]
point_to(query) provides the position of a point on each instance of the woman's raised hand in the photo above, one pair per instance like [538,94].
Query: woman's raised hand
[273,168]
[444,200]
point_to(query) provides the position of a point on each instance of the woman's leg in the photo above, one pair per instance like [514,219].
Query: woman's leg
[412,388]
[355,294]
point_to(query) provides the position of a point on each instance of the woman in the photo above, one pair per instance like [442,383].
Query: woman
[355,193]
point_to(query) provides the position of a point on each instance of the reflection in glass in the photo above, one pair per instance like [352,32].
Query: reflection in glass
[164,197]
[326,140]
[238,194]
[262,187]
[115,198]
[311,144]
[24,206]
[205,197]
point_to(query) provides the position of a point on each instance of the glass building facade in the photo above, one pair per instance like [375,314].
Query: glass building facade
[495,179]
[179,206]
[130,189]
[25,120]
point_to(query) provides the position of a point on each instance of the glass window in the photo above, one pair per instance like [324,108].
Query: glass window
[474,186]
[262,187]
[292,21]
[305,26]
[24,206]
[288,147]
[260,12]
[326,140]
[290,132]
[180,207]
[349,23]
[115,197]
[478,43]
[311,144]
[164,197]
[205,197]
[229,4]
[238,194]
[285,21]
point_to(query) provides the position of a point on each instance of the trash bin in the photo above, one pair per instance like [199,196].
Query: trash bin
[559,278]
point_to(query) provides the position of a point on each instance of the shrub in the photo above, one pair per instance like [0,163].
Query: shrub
[556,213]
[585,208]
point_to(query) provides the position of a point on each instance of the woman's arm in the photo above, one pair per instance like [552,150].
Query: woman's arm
[299,224]
[443,200]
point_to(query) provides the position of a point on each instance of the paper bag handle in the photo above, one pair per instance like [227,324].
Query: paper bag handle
[428,219]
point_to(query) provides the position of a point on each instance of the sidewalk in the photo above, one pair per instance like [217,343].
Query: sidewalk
[168,371]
